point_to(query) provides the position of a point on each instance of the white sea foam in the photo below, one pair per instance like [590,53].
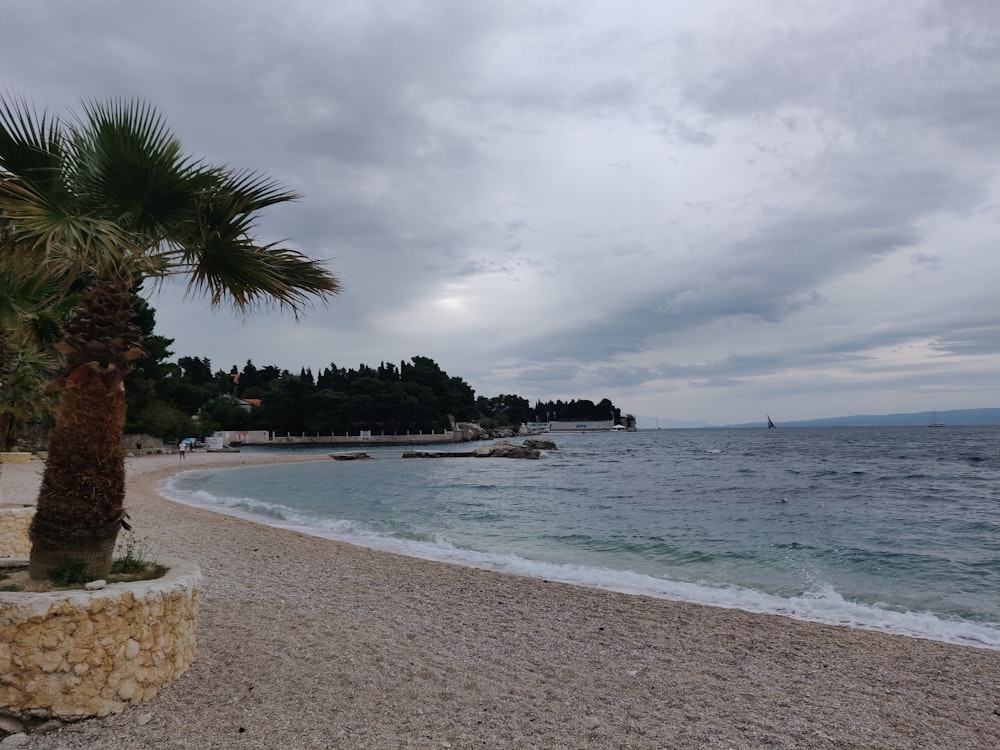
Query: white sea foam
[822,605]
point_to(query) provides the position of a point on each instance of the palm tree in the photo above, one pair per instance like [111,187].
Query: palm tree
[103,201]
[30,322]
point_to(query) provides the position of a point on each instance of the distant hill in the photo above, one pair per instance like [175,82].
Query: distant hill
[953,417]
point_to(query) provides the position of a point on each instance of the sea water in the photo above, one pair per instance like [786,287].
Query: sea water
[894,529]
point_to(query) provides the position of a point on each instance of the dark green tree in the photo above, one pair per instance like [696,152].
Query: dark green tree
[196,371]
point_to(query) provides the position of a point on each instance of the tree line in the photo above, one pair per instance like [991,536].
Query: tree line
[172,398]
[189,397]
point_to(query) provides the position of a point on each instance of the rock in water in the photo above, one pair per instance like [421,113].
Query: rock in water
[503,449]
[539,444]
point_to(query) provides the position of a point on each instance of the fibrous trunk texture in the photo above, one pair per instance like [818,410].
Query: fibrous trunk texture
[81,501]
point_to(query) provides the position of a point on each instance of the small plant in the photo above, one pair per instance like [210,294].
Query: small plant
[69,573]
[132,555]
[10,587]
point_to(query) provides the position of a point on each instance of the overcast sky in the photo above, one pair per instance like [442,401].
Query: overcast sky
[700,209]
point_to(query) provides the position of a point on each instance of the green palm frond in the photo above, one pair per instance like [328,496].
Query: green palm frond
[265,275]
[18,293]
[253,190]
[44,228]
[129,168]
[46,233]
[29,371]
[32,145]
[121,201]
[227,264]
[45,324]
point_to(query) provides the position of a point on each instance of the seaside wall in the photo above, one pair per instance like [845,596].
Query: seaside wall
[262,438]
[581,426]
[14,524]
[149,444]
[75,654]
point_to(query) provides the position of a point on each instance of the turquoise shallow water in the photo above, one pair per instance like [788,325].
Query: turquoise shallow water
[895,529]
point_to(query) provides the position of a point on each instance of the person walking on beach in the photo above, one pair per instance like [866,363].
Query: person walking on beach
[182,447]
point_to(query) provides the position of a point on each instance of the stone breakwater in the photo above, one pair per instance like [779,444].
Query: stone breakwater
[14,524]
[76,654]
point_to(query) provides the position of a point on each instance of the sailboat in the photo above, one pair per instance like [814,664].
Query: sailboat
[770,424]
[934,422]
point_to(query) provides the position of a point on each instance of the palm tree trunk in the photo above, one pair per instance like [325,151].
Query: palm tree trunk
[81,501]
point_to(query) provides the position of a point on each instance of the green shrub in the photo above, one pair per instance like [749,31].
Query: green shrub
[132,555]
[69,573]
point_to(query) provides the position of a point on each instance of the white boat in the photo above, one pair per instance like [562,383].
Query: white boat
[934,422]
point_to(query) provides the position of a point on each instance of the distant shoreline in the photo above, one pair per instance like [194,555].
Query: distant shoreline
[954,418]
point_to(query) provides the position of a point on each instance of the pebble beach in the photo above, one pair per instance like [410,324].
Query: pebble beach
[310,643]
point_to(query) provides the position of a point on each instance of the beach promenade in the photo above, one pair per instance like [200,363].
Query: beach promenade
[309,643]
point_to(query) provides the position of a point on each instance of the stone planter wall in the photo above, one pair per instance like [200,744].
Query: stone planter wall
[14,524]
[76,654]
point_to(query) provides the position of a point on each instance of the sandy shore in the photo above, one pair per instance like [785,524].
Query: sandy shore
[309,643]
